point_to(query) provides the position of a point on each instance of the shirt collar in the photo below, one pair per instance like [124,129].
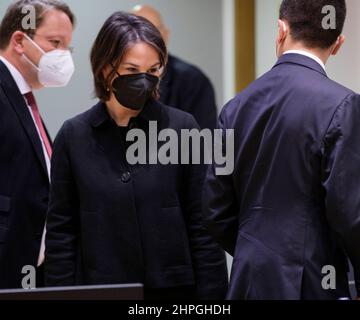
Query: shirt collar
[151,112]
[19,79]
[308,54]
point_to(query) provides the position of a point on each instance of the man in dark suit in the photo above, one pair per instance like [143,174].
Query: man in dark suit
[183,86]
[26,57]
[290,212]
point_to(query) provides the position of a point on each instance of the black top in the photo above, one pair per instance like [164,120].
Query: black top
[111,222]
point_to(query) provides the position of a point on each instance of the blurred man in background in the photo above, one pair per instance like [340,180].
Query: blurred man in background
[184,86]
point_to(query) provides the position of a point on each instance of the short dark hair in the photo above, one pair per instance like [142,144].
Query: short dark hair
[14,15]
[119,33]
[305,18]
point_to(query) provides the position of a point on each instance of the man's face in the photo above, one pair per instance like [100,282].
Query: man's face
[54,33]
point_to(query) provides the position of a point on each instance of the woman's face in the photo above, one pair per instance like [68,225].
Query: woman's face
[141,58]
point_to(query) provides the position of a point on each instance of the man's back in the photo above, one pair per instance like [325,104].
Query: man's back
[281,121]
[287,189]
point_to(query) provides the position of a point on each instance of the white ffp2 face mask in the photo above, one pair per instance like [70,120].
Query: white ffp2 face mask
[55,68]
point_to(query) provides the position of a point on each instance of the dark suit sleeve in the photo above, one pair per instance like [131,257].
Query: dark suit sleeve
[200,99]
[209,260]
[220,206]
[62,220]
[341,178]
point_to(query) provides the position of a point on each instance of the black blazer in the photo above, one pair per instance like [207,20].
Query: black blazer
[110,223]
[292,205]
[185,87]
[24,185]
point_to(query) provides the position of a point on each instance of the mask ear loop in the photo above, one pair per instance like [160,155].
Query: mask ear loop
[112,66]
[34,43]
[36,46]
[31,63]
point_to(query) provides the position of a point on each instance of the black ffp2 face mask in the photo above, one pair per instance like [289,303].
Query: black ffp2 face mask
[133,90]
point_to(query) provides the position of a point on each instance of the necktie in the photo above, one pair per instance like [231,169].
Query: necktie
[35,110]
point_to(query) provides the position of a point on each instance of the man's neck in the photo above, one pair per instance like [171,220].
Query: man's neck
[321,54]
[29,78]
[120,114]
[9,58]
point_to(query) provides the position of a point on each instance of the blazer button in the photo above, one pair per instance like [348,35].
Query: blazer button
[126,177]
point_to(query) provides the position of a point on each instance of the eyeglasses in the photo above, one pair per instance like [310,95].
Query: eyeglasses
[56,43]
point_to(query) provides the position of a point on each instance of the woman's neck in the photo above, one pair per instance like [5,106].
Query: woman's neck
[120,114]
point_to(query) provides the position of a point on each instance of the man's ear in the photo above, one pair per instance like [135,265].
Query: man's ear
[17,42]
[283,31]
[339,43]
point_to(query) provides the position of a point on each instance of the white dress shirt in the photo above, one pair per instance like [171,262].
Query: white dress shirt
[24,89]
[309,55]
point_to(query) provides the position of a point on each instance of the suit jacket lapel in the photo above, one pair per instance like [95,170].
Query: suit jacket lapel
[18,103]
